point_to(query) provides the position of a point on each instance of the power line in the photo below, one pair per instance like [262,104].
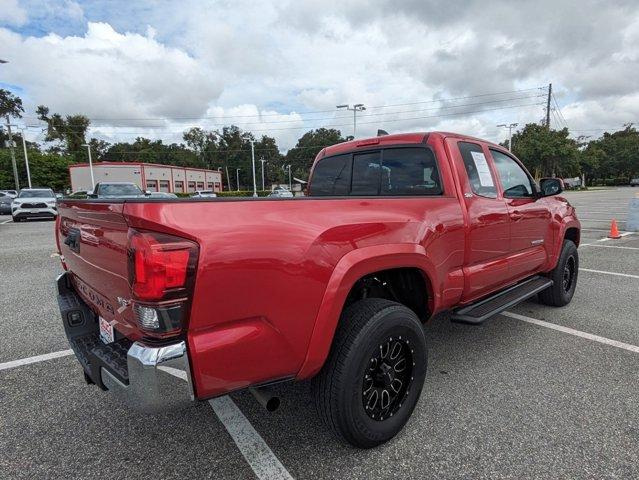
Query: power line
[561,115]
[440,100]
[382,122]
[323,119]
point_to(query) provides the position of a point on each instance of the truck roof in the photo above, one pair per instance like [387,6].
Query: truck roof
[395,139]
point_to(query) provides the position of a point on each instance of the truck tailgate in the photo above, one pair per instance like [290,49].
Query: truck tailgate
[92,238]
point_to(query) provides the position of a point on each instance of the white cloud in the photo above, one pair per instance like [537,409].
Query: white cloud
[197,63]
[11,13]
[107,74]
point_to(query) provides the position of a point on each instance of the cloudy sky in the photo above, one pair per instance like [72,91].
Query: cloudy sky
[278,67]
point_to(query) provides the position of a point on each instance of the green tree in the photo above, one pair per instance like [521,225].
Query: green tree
[301,156]
[10,105]
[547,152]
[615,155]
[204,143]
[99,148]
[47,169]
[71,130]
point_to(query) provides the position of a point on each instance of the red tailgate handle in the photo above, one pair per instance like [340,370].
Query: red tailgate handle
[516,215]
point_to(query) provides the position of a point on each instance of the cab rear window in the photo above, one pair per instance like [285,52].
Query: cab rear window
[389,172]
[332,176]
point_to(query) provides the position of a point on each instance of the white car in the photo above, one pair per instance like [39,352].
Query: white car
[11,193]
[281,192]
[34,203]
[162,195]
[203,194]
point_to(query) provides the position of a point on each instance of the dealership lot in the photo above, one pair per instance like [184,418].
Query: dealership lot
[509,399]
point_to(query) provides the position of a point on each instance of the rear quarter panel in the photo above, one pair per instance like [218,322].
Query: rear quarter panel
[265,266]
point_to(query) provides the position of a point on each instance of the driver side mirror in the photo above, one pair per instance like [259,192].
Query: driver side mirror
[550,186]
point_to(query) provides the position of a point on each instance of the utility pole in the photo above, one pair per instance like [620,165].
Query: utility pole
[290,183]
[262,161]
[253,162]
[90,164]
[358,107]
[13,156]
[237,174]
[510,134]
[26,159]
[228,179]
[548,106]
[26,155]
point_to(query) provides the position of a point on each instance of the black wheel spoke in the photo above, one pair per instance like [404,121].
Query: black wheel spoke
[387,380]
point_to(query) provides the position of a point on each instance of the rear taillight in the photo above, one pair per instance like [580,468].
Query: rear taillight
[161,273]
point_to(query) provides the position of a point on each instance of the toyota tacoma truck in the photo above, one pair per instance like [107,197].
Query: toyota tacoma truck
[166,302]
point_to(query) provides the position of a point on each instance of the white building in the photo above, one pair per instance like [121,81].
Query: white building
[147,176]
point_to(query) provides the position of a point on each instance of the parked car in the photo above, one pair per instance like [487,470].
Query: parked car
[11,193]
[5,203]
[162,195]
[169,303]
[281,192]
[34,203]
[116,190]
[80,194]
[634,182]
[204,194]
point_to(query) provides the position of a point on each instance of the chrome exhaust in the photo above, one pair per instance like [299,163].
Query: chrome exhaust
[266,398]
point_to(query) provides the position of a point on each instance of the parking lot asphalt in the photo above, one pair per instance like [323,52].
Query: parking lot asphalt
[508,399]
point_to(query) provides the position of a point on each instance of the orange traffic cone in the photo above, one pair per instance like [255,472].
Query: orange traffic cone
[614,231]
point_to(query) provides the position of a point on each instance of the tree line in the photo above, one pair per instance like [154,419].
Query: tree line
[610,159]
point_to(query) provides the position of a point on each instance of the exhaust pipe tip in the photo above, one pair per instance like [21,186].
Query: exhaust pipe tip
[266,398]
[273,404]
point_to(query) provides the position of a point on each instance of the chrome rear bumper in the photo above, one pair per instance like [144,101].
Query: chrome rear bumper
[159,378]
[149,378]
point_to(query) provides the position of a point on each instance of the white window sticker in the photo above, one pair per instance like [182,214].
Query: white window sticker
[485,178]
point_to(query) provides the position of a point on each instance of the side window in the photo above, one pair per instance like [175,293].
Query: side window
[514,179]
[332,176]
[409,171]
[366,174]
[479,174]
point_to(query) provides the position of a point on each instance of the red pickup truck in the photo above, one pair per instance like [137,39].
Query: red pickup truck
[169,301]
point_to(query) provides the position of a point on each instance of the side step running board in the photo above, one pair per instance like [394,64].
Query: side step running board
[486,308]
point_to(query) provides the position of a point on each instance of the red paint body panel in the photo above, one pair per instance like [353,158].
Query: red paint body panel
[273,275]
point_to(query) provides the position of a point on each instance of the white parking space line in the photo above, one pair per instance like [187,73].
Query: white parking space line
[604,230]
[571,331]
[607,239]
[608,273]
[257,453]
[36,359]
[607,246]
[6,221]
[590,219]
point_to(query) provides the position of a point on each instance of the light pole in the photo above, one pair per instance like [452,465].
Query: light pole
[13,155]
[262,161]
[253,163]
[358,107]
[90,164]
[510,134]
[237,174]
[26,155]
[290,184]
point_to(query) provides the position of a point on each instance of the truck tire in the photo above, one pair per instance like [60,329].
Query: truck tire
[374,373]
[564,277]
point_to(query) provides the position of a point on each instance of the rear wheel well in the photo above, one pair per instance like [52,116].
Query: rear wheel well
[408,286]
[573,235]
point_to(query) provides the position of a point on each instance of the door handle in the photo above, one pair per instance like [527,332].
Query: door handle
[516,215]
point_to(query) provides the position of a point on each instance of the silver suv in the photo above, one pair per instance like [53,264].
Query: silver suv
[34,203]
